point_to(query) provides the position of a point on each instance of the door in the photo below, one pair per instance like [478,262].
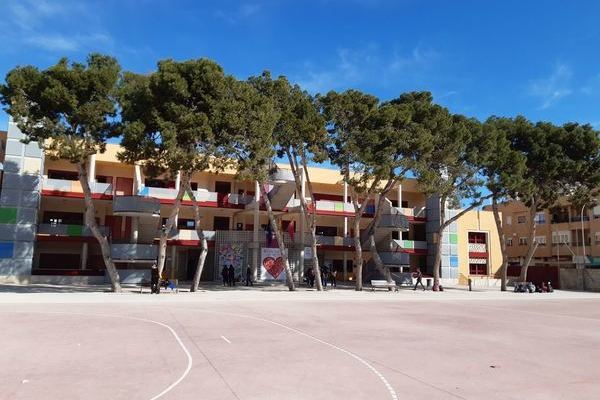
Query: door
[221,223]
[124,186]
[223,190]
[114,222]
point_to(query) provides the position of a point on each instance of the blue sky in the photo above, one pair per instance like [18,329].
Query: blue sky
[479,58]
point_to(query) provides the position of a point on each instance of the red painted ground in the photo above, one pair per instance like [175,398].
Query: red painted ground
[277,345]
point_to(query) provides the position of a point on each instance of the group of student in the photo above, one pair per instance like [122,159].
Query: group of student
[229,279]
[327,276]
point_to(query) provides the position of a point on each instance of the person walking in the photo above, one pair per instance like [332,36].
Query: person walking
[324,273]
[333,278]
[419,275]
[225,275]
[231,275]
[154,280]
[249,277]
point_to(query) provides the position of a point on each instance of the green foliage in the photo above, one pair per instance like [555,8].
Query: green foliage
[175,118]
[71,104]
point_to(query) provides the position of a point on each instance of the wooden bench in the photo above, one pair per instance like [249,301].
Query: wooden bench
[384,285]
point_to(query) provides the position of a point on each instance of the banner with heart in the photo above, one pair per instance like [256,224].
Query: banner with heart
[272,265]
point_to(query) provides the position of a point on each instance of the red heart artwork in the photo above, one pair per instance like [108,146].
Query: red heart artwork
[273,266]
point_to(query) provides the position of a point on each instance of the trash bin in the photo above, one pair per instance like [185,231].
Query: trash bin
[429,284]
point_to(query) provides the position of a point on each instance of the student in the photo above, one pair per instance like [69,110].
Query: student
[249,276]
[419,275]
[231,275]
[333,278]
[324,273]
[154,284]
[225,275]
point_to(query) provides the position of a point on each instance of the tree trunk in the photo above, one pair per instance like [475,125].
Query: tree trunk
[385,271]
[90,220]
[531,239]
[279,235]
[164,232]
[500,229]
[203,242]
[310,215]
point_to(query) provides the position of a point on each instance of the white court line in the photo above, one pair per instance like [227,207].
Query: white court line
[171,330]
[225,339]
[387,385]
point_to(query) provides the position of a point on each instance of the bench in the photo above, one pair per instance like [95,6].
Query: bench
[384,285]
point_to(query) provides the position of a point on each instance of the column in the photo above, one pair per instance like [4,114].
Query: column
[135,227]
[92,171]
[173,261]
[256,222]
[137,181]
[302,227]
[400,205]
[84,255]
[177,187]
[345,272]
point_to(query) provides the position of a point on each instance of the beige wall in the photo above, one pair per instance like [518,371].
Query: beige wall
[478,221]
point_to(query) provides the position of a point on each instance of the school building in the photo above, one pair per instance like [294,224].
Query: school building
[43,237]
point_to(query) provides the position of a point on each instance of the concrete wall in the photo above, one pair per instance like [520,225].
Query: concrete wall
[580,279]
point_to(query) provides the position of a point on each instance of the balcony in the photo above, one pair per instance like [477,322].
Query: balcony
[136,206]
[134,253]
[416,212]
[394,258]
[477,248]
[68,186]
[69,230]
[334,206]
[394,221]
[333,240]
[402,244]
[189,234]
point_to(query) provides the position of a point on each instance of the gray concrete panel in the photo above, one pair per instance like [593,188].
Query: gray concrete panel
[12,163]
[27,215]
[25,232]
[15,266]
[8,232]
[11,197]
[33,150]
[24,249]
[14,147]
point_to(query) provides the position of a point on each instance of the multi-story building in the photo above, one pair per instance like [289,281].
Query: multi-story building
[563,235]
[43,237]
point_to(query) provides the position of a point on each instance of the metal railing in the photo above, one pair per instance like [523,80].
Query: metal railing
[136,205]
[69,230]
[133,252]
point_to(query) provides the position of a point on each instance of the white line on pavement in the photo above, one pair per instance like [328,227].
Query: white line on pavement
[225,339]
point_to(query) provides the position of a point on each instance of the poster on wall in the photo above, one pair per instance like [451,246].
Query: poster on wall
[232,254]
[308,253]
[271,266]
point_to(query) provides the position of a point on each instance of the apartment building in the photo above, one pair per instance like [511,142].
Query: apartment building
[43,237]
[563,235]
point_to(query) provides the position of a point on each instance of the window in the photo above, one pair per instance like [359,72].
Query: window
[183,223]
[159,183]
[404,204]
[540,218]
[509,220]
[64,175]
[540,240]
[478,269]
[522,241]
[327,230]
[103,179]
[58,217]
[509,242]
[561,237]
[597,237]
[477,237]
[521,219]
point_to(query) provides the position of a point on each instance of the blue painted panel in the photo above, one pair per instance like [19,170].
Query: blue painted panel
[6,249]
[453,261]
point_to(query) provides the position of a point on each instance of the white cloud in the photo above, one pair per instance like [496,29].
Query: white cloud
[243,12]
[53,26]
[367,64]
[553,88]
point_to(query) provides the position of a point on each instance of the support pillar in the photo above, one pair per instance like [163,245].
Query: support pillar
[345,272]
[137,181]
[256,222]
[302,228]
[135,228]
[173,261]
[84,255]
[92,171]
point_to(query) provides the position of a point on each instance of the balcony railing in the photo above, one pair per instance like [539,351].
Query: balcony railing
[69,230]
[136,206]
[411,244]
[130,252]
[477,247]
[397,221]
[335,206]
[333,240]
[395,258]
[63,185]
[416,212]
[189,234]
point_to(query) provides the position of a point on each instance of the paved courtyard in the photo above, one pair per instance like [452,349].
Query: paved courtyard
[266,343]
